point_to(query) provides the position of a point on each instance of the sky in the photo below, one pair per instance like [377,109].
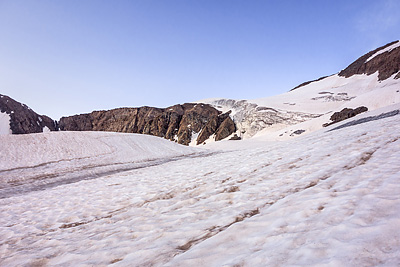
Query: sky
[69,57]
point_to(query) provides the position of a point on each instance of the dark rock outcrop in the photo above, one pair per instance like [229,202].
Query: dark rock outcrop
[176,123]
[345,114]
[24,120]
[387,63]
[221,125]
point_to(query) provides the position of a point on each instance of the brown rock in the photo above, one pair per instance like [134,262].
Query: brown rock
[235,137]
[174,123]
[222,126]
[24,120]
[345,114]
[387,63]
[226,128]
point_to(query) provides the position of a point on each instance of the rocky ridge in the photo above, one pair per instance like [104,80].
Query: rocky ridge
[385,59]
[24,120]
[180,123]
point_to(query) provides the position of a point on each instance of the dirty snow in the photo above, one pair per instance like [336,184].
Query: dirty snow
[329,198]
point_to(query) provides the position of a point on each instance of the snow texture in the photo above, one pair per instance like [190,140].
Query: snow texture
[329,198]
[4,124]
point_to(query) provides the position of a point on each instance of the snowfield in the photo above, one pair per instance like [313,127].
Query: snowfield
[4,124]
[328,198]
[306,105]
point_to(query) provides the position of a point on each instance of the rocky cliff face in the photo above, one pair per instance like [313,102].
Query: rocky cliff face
[24,120]
[178,123]
[385,59]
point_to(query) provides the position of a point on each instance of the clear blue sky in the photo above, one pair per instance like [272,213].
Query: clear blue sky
[74,56]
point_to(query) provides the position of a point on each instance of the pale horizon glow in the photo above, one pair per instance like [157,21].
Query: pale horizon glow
[69,57]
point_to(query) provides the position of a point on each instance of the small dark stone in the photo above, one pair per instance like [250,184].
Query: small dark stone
[235,137]
[297,132]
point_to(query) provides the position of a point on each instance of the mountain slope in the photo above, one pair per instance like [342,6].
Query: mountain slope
[21,118]
[385,60]
[371,81]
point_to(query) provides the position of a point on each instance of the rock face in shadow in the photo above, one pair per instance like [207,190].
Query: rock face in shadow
[177,123]
[24,120]
[345,114]
[387,63]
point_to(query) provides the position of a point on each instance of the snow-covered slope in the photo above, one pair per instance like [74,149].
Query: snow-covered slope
[32,161]
[315,101]
[330,198]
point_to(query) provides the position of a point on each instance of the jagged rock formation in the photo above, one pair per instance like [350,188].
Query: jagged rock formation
[251,118]
[179,123]
[24,120]
[385,59]
[345,114]
[222,126]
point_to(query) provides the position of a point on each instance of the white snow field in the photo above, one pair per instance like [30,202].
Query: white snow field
[329,198]
[300,107]
[4,123]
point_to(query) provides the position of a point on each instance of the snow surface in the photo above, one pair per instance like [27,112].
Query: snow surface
[5,124]
[46,129]
[318,99]
[334,93]
[387,49]
[329,198]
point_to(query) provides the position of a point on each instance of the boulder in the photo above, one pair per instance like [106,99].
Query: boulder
[345,114]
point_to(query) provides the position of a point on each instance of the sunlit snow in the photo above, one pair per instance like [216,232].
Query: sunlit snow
[329,198]
[4,123]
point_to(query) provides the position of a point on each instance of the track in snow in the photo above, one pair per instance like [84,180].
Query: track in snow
[36,180]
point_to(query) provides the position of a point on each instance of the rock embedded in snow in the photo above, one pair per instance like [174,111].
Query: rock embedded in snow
[345,113]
